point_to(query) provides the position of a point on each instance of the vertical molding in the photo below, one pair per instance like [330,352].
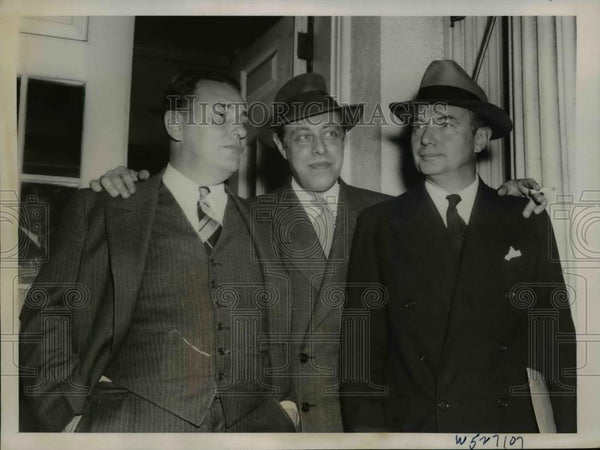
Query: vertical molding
[447,37]
[341,51]
[516,89]
[21,124]
[531,100]
[9,192]
[300,26]
[340,88]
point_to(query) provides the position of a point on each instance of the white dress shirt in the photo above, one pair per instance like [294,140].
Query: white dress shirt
[186,194]
[464,208]
[308,197]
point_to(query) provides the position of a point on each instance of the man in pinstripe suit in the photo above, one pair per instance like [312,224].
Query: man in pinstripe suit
[149,316]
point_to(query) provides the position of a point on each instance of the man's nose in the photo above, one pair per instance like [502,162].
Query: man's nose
[319,146]
[428,135]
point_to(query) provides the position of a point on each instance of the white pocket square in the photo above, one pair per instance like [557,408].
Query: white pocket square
[512,253]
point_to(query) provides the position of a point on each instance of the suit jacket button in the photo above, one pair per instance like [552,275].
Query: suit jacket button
[303,358]
[409,305]
[423,357]
[502,347]
[502,403]
[213,284]
[222,351]
[220,326]
[213,261]
[444,405]
[221,376]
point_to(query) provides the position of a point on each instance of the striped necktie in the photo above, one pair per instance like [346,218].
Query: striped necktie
[456,225]
[209,229]
[324,224]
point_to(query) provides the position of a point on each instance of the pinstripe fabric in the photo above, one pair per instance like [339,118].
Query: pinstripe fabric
[240,345]
[103,245]
[168,355]
[114,409]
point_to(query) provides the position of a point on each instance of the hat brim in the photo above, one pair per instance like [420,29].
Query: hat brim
[494,117]
[350,116]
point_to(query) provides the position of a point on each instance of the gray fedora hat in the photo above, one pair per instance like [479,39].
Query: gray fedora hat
[446,82]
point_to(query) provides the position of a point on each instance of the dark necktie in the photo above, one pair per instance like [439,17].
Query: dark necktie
[456,225]
[209,229]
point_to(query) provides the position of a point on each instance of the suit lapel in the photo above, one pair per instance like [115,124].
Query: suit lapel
[421,231]
[128,226]
[485,242]
[302,254]
[279,314]
[296,240]
[334,277]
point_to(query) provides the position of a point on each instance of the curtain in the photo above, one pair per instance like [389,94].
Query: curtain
[542,74]
[463,43]
[542,66]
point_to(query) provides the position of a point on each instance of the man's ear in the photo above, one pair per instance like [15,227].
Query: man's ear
[482,138]
[279,145]
[173,124]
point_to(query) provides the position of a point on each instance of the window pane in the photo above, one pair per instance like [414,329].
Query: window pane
[53,128]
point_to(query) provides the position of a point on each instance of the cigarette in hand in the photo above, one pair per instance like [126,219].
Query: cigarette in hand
[541,190]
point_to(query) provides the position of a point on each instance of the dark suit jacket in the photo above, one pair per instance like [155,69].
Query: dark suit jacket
[447,348]
[92,282]
[317,283]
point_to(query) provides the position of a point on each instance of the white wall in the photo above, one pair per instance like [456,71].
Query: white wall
[103,63]
[408,45]
[106,114]
[388,56]
[364,141]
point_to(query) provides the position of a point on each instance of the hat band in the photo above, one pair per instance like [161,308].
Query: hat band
[303,105]
[449,93]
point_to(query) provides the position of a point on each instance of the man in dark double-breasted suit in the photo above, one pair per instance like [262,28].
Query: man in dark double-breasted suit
[152,314]
[471,309]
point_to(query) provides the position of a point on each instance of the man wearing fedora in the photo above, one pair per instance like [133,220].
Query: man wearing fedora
[312,219]
[472,308]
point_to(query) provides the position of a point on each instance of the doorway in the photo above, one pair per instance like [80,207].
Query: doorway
[260,52]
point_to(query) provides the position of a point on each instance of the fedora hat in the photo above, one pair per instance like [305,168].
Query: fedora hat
[305,96]
[446,82]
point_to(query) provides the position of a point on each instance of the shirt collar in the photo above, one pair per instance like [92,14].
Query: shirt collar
[467,195]
[331,195]
[186,194]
